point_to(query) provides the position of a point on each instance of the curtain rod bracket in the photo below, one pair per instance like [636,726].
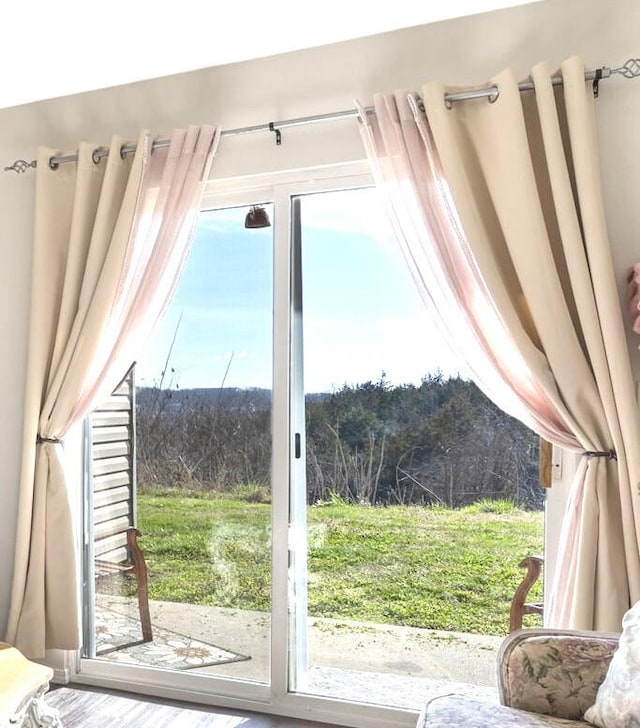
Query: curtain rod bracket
[276,132]
[596,82]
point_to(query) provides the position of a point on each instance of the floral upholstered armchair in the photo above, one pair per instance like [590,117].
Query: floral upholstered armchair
[546,678]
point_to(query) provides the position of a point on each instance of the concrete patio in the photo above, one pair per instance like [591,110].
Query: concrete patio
[361,661]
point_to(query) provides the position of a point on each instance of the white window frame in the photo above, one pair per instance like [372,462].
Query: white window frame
[273,698]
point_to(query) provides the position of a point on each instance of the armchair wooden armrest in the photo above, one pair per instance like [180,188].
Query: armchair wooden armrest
[519,604]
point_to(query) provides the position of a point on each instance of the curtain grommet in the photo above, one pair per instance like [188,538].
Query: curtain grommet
[98,153]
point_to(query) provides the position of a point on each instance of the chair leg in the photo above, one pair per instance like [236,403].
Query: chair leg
[140,568]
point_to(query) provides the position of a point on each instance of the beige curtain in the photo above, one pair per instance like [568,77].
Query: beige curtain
[506,207]
[110,239]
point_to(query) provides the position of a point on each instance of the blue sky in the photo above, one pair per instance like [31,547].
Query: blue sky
[362,314]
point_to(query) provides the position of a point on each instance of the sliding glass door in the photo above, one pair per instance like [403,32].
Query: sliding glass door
[284,448]
[412,491]
[360,331]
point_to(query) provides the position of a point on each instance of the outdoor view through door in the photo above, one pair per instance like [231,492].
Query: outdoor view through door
[411,497]
[421,493]
[202,471]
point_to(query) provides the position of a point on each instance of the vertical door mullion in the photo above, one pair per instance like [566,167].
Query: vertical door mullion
[88,563]
[298,667]
[281,453]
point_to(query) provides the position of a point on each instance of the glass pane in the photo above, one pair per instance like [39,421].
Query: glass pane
[200,492]
[422,497]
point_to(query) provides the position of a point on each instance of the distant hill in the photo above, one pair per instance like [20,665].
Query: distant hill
[233,397]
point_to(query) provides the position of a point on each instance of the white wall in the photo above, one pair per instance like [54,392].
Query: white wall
[465,51]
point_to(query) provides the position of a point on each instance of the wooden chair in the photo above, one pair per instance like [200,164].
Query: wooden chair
[133,563]
[519,604]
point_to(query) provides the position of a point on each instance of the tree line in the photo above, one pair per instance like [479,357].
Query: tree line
[439,442]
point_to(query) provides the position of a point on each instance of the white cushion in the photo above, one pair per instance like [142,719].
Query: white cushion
[19,679]
[618,699]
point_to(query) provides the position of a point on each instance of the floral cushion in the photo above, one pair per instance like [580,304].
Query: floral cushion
[617,703]
[552,672]
[458,710]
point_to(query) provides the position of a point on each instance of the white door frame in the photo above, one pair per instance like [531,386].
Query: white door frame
[274,698]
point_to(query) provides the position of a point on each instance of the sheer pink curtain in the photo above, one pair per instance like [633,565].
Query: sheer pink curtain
[518,270]
[405,167]
[109,246]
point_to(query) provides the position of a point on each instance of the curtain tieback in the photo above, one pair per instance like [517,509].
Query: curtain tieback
[600,454]
[53,440]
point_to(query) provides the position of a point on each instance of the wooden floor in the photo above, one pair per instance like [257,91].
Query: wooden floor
[81,707]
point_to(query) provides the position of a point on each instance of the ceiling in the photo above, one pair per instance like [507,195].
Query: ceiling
[57,48]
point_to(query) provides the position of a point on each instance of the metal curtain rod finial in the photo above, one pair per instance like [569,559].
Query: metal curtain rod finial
[630,69]
[20,166]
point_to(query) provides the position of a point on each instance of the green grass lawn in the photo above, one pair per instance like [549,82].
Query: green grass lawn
[422,567]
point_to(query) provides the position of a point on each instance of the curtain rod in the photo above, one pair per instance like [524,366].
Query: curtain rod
[630,69]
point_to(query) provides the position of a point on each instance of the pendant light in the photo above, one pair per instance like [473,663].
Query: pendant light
[257,218]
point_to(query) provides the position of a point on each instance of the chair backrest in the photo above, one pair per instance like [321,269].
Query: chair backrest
[553,671]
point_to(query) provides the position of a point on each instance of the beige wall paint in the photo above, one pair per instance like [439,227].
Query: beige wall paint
[465,51]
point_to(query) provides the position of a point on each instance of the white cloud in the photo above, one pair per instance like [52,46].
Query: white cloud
[353,351]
